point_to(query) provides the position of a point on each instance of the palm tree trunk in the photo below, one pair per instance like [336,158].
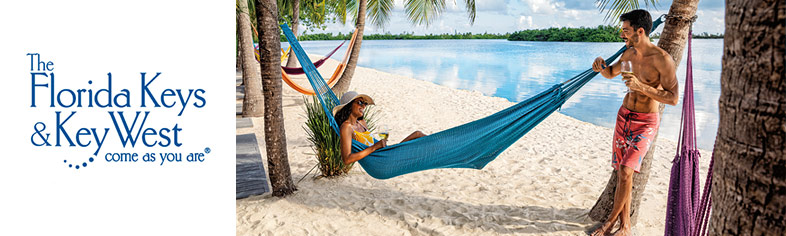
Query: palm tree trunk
[253,100]
[239,60]
[346,77]
[672,40]
[270,62]
[749,182]
[238,55]
[292,60]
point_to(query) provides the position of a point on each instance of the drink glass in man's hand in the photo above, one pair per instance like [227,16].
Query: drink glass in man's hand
[627,69]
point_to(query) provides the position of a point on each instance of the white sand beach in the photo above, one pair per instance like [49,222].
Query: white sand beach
[544,184]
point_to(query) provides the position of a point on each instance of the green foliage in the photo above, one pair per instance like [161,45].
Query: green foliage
[706,35]
[324,139]
[470,10]
[423,12]
[402,36]
[602,33]
[338,10]
[312,13]
[315,13]
[371,116]
[379,12]
[419,12]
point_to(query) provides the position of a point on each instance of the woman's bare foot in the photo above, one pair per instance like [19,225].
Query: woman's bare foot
[603,230]
[623,231]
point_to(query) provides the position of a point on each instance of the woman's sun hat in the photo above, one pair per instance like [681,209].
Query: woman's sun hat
[349,97]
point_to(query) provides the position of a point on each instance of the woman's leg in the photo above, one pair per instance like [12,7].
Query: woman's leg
[414,135]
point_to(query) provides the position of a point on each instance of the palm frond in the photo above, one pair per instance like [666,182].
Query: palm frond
[470,4]
[379,12]
[341,11]
[423,11]
[285,10]
[653,3]
[615,8]
[352,9]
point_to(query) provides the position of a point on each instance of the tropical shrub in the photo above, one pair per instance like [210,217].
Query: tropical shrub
[324,140]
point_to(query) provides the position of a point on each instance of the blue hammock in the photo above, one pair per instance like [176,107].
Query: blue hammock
[471,145]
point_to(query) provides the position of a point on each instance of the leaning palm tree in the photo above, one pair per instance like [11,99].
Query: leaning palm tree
[275,137]
[422,12]
[293,8]
[672,40]
[749,180]
[253,100]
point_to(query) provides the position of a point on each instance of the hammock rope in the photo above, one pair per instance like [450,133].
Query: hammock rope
[687,213]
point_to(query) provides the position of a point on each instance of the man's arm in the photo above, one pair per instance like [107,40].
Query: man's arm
[614,69]
[610,71]
[668,80]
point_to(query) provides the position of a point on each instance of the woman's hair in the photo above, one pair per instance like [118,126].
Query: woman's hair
[343,114]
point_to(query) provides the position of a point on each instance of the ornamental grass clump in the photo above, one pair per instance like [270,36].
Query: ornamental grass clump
[324,140]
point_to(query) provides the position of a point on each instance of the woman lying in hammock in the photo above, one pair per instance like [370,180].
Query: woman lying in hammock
[349,116]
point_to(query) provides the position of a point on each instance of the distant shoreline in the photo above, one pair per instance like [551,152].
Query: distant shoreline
[602,34]
[403,36]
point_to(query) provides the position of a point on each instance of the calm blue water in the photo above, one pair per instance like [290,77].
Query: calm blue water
[518,70]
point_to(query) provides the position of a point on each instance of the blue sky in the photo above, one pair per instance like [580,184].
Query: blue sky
[500,16]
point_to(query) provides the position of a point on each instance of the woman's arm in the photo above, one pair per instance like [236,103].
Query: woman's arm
[346,146]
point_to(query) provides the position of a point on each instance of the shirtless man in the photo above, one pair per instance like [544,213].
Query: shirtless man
[653,81]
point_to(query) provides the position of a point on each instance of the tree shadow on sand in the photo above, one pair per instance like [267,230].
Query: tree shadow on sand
[416,213]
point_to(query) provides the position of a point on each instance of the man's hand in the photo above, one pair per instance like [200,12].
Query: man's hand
[599,64]
[633,82]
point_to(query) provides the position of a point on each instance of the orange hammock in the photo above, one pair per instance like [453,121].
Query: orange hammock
[333,78]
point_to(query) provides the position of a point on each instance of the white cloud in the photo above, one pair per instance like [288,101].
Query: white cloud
[544,6]
[525,22]
[490,5]
[574,14]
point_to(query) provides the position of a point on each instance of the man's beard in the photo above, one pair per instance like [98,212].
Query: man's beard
[633,41]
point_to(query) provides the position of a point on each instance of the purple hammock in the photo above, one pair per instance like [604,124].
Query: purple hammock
[687,213]
[317,64]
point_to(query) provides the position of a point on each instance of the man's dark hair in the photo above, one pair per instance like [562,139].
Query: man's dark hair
[638,19]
